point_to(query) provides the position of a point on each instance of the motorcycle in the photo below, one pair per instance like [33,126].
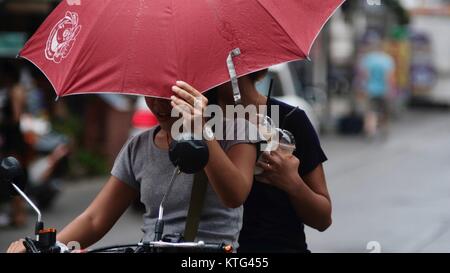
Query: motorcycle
[181,153]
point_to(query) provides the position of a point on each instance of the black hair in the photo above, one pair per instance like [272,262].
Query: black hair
[258,75]
[212,97]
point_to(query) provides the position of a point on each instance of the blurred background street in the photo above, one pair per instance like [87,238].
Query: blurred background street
[388,170]
[396,193]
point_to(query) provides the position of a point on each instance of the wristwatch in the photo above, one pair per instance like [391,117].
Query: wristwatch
[208,133]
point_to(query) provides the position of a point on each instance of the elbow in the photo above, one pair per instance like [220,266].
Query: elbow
[326,220]
[322,227]
[233,203]
[235,198]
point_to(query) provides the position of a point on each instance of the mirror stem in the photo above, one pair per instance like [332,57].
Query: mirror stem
[159,226]
[31,204]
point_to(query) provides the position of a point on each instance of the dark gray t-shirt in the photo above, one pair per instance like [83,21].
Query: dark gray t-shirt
[148,169]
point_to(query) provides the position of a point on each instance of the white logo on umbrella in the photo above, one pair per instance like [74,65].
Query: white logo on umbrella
[62,37]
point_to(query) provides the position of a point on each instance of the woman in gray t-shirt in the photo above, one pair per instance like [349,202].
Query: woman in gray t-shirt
[143,167]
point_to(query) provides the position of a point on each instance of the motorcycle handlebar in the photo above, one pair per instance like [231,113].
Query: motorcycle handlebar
[161,247]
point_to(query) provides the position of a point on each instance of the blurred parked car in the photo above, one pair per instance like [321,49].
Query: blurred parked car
[288,88]
[143,119]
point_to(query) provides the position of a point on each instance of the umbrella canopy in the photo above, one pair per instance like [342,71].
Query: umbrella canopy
[143,46]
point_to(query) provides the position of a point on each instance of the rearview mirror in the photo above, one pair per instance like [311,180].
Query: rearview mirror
[11,172]
[188,154]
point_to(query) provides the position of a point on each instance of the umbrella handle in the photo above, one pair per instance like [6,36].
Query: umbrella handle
[233,75]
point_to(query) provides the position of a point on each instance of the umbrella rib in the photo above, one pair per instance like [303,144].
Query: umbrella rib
[129,58]
[175,39]
[75,70]
[284,30]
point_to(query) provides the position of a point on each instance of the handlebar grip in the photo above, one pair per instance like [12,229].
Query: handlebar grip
[30,246]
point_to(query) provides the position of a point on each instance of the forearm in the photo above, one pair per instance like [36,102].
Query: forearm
[83,230]
[101,215]
[227,180]
[313,208]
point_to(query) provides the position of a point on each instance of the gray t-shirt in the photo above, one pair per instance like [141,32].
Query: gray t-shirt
[148,169]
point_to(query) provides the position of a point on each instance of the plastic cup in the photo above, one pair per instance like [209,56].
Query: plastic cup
[282,141]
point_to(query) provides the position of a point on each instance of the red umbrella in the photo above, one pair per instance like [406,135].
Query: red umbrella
[144,46]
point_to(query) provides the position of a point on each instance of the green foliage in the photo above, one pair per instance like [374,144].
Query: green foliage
[88,163]
[71,126]
[402,15]
[82,161]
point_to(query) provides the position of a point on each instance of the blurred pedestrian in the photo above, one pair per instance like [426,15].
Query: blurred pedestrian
[50,148]
[12,142]
[376,71]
